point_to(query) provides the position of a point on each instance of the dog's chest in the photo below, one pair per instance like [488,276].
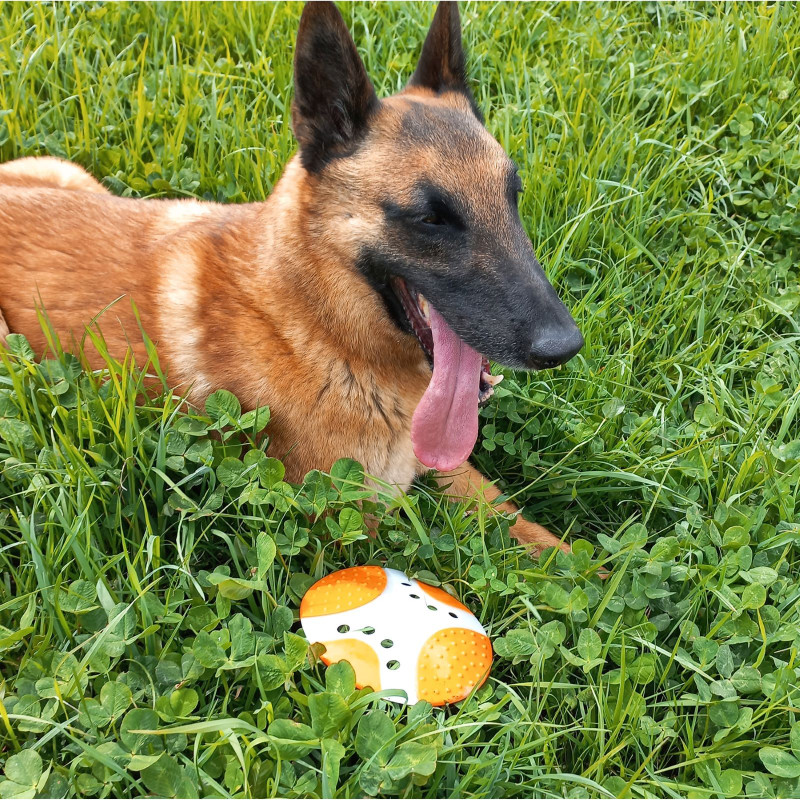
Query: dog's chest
[314,424]
[382,415]
[350,413]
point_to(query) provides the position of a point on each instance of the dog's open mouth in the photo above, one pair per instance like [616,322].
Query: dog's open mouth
[417,310]
[445,424]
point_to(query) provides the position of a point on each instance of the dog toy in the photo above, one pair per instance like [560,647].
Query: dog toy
[398,634]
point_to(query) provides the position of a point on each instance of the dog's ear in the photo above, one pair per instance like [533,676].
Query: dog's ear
[333,96]
[442,65]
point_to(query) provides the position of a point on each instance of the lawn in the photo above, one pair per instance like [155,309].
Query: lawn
[151,566]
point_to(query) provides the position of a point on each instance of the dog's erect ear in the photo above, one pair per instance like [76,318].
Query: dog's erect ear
[442,64]
[333,95]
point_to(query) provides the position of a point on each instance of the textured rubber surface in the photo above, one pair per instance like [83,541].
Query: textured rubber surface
[343,590]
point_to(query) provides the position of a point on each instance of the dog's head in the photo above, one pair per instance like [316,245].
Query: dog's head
[424,201]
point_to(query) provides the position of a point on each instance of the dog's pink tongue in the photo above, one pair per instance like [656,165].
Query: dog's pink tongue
[445,424]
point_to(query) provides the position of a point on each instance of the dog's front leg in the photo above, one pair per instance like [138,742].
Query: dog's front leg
[466,482]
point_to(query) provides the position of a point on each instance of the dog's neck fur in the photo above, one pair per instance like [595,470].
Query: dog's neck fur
[297,254]
[273,320]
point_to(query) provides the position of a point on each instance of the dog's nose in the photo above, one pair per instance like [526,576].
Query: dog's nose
[555,344]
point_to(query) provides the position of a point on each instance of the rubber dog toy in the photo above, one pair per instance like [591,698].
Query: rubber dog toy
[398,634]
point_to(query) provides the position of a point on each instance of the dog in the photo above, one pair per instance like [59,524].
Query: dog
[361,301]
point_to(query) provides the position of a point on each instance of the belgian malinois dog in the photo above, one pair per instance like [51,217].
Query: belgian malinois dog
[361,301]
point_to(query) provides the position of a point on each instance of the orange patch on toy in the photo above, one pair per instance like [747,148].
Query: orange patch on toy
[442,596]
[452,663]
[343,590]
[363,659]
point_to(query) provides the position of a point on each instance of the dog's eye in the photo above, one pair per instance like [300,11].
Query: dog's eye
[433,219]
[515,187]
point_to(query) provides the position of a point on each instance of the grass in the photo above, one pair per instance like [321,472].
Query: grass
[150,574]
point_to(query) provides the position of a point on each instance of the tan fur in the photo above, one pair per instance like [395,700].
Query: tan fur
[48,172]
[259,299]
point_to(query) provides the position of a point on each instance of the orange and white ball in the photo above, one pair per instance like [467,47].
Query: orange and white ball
[398,634]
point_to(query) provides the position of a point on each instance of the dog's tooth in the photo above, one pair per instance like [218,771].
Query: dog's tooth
[424,307]
[492,380]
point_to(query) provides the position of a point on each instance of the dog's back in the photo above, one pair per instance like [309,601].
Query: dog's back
[75,249]
[44,258]
[50,173]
